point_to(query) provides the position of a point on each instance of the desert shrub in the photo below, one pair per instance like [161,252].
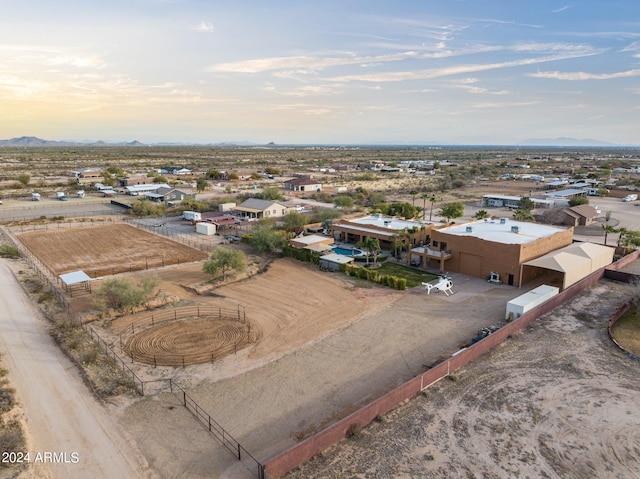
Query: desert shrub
[9,251]
[122,294]
[46,296]
[11,439]
[354,430]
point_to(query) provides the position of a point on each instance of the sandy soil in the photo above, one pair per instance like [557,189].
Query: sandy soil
[60,414]
[290,304]
[556,401]
[99,250]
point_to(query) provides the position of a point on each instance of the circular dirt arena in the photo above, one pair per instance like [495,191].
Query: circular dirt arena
[189,341]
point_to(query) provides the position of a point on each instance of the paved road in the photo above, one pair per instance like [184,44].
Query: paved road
[62,416]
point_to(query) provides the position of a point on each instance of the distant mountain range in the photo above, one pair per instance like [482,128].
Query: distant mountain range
[34,141]
[563,141]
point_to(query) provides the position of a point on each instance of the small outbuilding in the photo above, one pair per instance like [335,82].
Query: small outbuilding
[526,302]
[319,242]
[333,261]
[75,278]
[208,229]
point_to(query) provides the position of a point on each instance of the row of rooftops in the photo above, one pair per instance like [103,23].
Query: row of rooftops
[502,230]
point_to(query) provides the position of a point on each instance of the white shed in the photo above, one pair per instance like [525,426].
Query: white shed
[526,302]
[208,229]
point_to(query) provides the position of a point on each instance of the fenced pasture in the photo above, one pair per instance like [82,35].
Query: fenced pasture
[186,335]
[105,249]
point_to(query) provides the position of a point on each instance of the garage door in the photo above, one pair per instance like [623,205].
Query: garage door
[471,264]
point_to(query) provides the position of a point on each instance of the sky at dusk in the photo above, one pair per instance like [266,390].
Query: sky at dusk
[320,72]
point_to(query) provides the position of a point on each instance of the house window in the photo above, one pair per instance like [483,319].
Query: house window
[274,211]
[434,243]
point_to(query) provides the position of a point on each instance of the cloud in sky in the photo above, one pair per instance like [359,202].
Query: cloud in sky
[204,27]
[386,72]
[581,76]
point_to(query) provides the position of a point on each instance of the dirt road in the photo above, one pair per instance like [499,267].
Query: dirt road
[61,415]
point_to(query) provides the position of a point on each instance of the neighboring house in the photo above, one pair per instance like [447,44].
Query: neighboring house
[135,190]
[498,247]
[507,201]
[254,209]
[167,195]
[133,180]
[302,184]
[87,176]
[580,215]
[386,229]
[174,170]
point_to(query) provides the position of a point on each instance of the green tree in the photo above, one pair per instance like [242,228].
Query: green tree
[223,260]
[116,171]
[189,203]
[107,179]
[578,200]
[522,215]
[413,194]
[481,214]
[201,184]
[159,179]
[266,239]
[372,247]
[343,201]
[143,207]
[122,294]
[453,210]
[526,204]
[405,210]
[270,193]
[233,177]
[23,179]
[294,221]
[213,174]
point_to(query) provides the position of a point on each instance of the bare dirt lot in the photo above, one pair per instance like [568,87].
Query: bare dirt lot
[556,401]
[105,249]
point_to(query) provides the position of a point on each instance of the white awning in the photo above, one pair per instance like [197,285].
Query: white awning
[74,277]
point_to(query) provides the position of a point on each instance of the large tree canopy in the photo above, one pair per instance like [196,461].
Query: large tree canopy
[223,260]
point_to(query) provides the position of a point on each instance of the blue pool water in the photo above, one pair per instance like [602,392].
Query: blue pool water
[346,251]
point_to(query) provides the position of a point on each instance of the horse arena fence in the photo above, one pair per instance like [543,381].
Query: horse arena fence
[202,334]
[139,385]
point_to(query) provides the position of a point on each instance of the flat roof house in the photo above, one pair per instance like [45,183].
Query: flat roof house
[386,229]
[303,184]
[499,246]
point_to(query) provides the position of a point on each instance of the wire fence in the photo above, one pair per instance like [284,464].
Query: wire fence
[188,239]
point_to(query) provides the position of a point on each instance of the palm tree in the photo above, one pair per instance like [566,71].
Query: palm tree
[623,232]
[522,215]
[608,229]
[413,194]
[372,245]
[432,199]
[481,214]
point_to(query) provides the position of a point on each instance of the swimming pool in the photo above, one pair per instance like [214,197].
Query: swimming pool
[347,251]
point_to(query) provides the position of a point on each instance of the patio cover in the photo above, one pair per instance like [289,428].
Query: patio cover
[576,261]
[74,277]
